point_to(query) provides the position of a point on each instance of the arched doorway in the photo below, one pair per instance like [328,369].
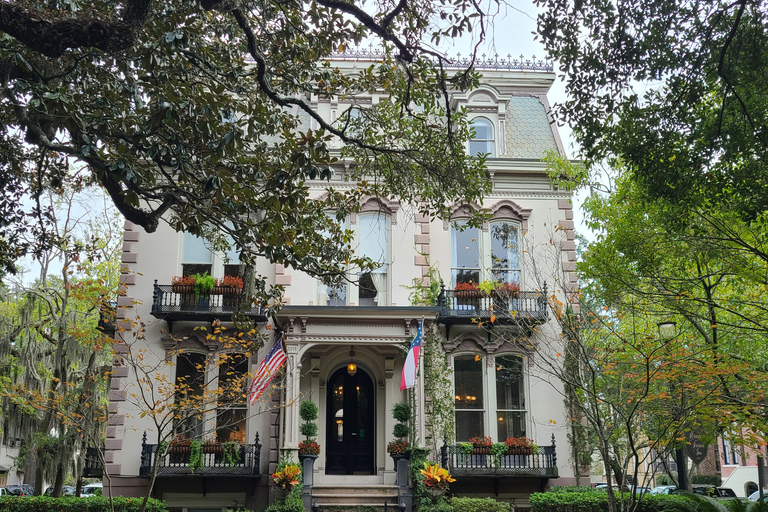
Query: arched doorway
[350,421]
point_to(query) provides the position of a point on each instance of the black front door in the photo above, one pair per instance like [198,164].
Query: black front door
[349,424]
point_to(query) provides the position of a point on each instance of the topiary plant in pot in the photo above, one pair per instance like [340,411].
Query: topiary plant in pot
[308,412]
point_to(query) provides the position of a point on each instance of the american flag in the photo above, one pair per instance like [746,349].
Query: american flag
[266,370]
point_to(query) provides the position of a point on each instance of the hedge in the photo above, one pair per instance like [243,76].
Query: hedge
[478,505]
[597,501]
[73,504]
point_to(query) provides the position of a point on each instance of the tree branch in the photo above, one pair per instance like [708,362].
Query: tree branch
[52,37]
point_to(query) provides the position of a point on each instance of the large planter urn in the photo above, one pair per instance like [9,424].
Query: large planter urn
[399,457]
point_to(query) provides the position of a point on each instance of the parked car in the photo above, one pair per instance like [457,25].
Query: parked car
[663,489]
[723,493]
[92,490]
[3,492]
[66,490]
[756,495]
[20,490]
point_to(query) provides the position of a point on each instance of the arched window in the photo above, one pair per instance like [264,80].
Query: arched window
[482,142]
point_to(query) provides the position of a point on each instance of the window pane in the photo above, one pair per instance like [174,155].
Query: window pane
[230,425]
[511,424]
[195,250]
[505,258]
[468,377]
[190,381]
[483,129]
[373,238]
[469,424]
[466,255]
[477,147]
[509,383]
[232,375]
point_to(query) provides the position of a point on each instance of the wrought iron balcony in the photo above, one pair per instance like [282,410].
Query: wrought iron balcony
[107,318]
[92,468]
[244,461]
[536,462]
[170,306]
[524,308]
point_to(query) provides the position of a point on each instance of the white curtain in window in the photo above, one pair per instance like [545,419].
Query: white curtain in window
[380,282]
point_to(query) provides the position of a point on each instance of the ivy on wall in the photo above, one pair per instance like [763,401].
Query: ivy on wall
[438,386]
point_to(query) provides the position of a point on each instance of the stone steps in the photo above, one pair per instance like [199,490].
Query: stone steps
[343,498]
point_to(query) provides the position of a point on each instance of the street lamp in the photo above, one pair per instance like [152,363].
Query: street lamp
[667,331]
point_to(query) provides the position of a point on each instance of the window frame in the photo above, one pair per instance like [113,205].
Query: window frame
[489,386]
[210,374]
[490,143]
[219,263]
[485,270]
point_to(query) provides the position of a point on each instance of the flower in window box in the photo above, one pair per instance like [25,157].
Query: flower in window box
[481,442]
[466,290]
[520,445]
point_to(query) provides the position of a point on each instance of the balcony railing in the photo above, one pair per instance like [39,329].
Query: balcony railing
[171,306]
[462,306]
[245,460]
[539,462]
[92,467]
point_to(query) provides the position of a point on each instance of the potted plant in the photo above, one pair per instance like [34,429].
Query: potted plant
[467,290]
[230,287]
[285,477]
[203,287]
[401,412]
[504,296]
[210,445]
[183,284]
[481,445]
[520,446]
[436,480]
[308,449]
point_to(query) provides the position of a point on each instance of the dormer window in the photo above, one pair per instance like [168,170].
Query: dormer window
[483,141]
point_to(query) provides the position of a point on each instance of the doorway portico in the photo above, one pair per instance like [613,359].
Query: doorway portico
[354,417]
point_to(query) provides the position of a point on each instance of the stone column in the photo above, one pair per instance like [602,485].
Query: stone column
[292,390]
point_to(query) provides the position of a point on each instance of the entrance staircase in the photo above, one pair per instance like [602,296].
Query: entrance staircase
[355,498]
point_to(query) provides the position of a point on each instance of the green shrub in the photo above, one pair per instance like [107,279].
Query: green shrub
[400,430]
[291,503]
[572,488]
[706,479]
[478,505]
[308,410]
[308,429]
[73,504]
[591,501]
[665,480]
[401,411]
[439,507]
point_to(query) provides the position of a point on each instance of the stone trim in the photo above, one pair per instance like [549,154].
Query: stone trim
[422,242]
[568,263]
[125,304]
